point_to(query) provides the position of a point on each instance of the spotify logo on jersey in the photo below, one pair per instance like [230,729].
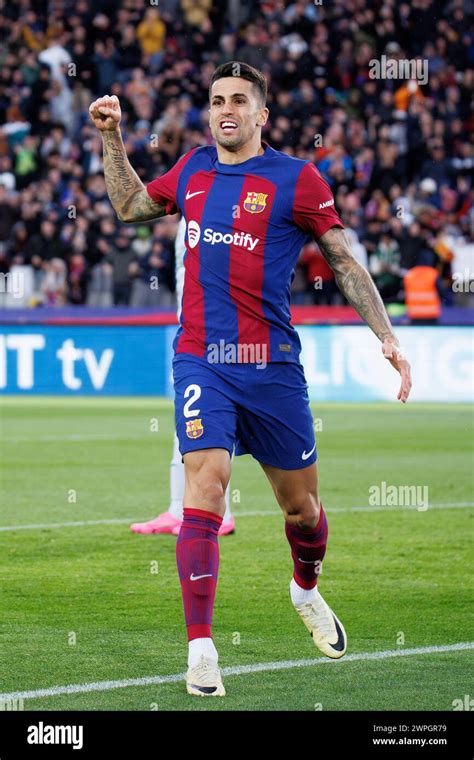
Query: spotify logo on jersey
[239,239]
[194,233]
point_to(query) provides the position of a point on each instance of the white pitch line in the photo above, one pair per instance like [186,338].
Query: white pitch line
[238,670]
[250,513]
[366,508]
[76,524]
[384,508]
[75,437]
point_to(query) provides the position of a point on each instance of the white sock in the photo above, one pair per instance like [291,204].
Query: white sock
[301,595]
[197,647]
[227,514]
[176,482]
[177,486]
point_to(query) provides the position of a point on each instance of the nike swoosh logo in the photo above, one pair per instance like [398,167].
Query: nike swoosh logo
[191,195]
[308,561]
[193,577]
[305,455]
[339,645]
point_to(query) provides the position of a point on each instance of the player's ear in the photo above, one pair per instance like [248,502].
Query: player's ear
[263,117]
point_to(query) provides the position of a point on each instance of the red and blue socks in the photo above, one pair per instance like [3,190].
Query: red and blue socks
[197,557]
[307,550]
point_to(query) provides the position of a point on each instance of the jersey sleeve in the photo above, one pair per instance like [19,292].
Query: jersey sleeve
[163,190]
[313,205]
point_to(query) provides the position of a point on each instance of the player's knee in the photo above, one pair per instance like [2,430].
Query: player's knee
[206,489]
[302,510]
[307,520]
[206,480]
[211,491]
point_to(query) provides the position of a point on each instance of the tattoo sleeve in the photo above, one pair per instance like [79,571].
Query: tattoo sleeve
[126,191]
[355,282]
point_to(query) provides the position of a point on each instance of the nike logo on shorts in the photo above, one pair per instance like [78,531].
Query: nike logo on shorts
[305,455]
[193,577]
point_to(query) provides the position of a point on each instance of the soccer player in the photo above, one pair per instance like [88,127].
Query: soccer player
[239,384]
[170,521]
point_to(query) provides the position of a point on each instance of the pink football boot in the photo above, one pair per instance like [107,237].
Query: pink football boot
[164,523]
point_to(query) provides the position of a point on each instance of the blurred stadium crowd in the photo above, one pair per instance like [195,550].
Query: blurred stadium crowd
[398,154]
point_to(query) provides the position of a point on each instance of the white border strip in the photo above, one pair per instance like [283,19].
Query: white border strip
[239,670]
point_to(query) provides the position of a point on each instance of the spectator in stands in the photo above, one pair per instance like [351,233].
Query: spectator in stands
[151,286]
[422,298]
[412,245]
[443,261]
[151,35]
[8,213]
[54,283]
[77,280]
[384,266]
[121,261]
[321,286]
[17,249]
[196,11]
[46,245]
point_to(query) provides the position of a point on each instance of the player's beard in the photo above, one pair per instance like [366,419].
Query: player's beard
[232,142]
[227,142]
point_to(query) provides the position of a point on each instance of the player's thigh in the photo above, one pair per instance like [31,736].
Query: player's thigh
[296,491]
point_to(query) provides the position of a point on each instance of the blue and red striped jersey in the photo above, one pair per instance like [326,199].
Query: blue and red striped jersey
[245,226]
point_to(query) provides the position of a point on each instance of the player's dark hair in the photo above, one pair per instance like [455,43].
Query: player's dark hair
[244,71]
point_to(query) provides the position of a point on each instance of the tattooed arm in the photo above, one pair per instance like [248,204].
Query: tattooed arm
[126,191]
[355,282]
[358,287]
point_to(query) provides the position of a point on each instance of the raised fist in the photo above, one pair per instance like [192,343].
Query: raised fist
[105,113]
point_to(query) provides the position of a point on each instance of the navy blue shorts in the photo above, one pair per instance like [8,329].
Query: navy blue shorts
[244,409]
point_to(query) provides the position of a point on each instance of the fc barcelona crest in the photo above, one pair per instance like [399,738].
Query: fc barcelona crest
[194,428]
[255,202]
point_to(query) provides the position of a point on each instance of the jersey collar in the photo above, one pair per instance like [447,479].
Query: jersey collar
[246,166]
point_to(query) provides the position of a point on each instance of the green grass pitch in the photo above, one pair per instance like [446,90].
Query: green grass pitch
[95,603]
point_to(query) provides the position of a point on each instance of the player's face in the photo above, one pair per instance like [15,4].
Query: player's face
[235,112]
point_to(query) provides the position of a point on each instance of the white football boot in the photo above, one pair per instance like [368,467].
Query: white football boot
[204,679]
[326,629]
